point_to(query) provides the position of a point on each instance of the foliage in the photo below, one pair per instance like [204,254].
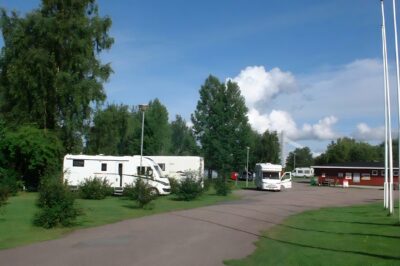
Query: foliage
[207,184]
[32,153]
[95,188]
[157,134]
[313,181]
[183,141]
[4,194]
[50,68]
[221,126]
[56,203]
[222,187]
[112,131]
[264,148]
[349,150]
[8,179]
[141,192]
[189,188]
[301,156]
[174,185]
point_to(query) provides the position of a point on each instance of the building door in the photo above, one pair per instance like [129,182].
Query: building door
[120,173]
[356,177]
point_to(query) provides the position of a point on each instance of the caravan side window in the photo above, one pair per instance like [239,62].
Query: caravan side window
[162,166]
[78,163]
[147,171]
[103,167]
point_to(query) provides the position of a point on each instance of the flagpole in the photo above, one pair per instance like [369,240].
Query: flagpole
[385,185]
[398,90]
[389,192]
[388,109]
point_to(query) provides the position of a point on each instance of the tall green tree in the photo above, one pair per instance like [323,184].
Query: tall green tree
[183,141]
[302,157]
[221,125]
[266,148]
[157,132]
[50,70]
[112,132]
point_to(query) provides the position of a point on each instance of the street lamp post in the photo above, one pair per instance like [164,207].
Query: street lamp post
[294,160]
[247,167]
[142,108]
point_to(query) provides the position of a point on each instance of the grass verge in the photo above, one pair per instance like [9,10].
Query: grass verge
[358,235]
[16,227]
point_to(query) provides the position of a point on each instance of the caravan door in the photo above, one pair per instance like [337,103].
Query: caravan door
[286,180]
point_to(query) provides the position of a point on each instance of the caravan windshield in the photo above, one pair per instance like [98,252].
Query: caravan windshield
[158,170]
[270,175]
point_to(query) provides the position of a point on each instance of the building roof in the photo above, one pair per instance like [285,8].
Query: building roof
[356,165]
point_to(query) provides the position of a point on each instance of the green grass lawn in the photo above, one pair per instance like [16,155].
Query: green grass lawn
[359,235]
[16,226]
[242,184]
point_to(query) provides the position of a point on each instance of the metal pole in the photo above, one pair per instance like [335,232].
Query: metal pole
[247,167]
[141,142]
[398,90]
[385,184]
[390,155]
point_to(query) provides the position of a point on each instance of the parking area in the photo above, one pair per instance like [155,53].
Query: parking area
[202,236]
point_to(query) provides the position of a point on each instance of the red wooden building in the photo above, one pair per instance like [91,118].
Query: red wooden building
[363,174]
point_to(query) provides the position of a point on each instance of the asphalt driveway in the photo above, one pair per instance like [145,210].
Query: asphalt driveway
[202,236]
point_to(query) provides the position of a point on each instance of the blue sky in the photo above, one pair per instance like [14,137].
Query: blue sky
[311,68]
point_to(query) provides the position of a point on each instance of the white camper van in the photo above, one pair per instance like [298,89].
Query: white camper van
[303,172]
[176,166]
[119,171]
[270,177]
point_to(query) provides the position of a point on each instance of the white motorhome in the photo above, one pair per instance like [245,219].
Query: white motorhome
[177,166]
[270,177]
[119,171]
[303,172]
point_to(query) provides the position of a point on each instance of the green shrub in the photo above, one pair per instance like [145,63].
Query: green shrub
[95,188]
[56,203]
[32,153]
[4,193]
[221,186]
[140,192]
[207,184]
[189,188]
[8,178]
[313,181]
[174,185]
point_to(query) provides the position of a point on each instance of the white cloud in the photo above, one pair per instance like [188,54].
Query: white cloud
[260,86]
[364,132]
[278,120]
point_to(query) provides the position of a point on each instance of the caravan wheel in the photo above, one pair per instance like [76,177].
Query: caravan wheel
[154,191]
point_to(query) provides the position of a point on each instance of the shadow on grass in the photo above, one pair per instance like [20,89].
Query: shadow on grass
[381,256]
[305,229]
[357,222]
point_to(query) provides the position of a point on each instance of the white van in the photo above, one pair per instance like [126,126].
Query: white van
[119,171]
[176,166]
[270,177]
[303,172]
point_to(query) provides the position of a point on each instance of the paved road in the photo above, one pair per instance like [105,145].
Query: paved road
[203,236]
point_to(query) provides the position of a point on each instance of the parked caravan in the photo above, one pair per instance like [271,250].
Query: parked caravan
[119,171]
[270,177]
[177,166]
[303,172]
